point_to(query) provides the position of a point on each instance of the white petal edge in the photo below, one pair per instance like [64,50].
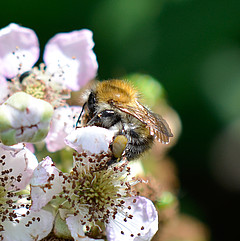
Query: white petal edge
[24,42]
[70,55]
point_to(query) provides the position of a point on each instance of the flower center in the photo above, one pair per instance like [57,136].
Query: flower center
[95,190]
[39,83]
[35,88]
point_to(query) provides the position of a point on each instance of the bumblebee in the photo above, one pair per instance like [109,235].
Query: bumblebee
[114,104]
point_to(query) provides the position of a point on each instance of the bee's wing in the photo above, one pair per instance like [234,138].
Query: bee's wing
[157,126]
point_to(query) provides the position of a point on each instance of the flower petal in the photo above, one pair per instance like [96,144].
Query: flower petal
[76,229]
[36,231]
[4,89]
[91,139]
[141,227]
[70,55]
[20,160]
[19,48]
[63,122]
[40,193]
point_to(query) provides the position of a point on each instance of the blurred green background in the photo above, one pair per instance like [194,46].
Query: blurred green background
[193,48]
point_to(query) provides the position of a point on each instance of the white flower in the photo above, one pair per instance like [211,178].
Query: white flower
[17,222]
[95,194]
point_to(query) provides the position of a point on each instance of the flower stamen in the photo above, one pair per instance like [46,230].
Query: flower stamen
[95,191]
[38,83]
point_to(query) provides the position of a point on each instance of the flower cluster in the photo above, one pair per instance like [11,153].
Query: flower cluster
[91,200]
[69,63]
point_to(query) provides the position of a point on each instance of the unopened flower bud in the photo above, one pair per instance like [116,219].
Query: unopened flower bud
[166,200]
[24,118]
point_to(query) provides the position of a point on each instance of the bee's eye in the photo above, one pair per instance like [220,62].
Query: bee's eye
[24,75]
[91,102]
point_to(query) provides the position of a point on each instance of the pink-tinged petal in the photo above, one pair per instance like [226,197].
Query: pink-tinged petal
[93,140]
[141,227]
[19,48]
[30,147]
[38,230]
[4,89]
[42,188]
[20,160]
[76,229]
[69,56]
[63,123]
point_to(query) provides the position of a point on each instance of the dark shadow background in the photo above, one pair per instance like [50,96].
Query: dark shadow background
[193,48]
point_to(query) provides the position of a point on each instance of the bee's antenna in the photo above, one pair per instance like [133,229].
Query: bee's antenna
[79,117]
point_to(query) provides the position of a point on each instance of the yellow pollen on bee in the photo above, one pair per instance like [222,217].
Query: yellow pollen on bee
[119,145]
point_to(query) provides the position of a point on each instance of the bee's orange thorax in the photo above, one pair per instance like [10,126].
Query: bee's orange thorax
[117,91]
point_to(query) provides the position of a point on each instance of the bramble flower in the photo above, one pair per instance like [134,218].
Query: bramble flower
[94,196]
[24,118]
[17,222]
[69,58]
